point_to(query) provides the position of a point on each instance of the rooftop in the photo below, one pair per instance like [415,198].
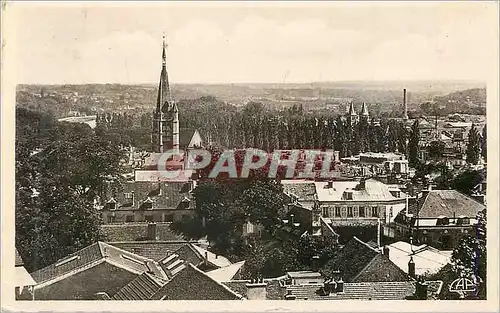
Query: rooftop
[138,231]
[449,203]
[427,260]
[226,273]
[93,255]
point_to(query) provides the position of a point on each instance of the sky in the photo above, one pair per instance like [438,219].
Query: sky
[82,42]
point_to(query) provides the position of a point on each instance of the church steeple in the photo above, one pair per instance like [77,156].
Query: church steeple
[364,110]
[163,121]
[164,100]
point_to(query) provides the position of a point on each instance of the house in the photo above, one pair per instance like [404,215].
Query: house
[357,262]
[144,201]
[439,218]
[24,281]
[97,269]
[427,260]
[300,191]
[347,203]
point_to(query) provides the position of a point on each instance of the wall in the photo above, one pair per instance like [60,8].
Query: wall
[84,285]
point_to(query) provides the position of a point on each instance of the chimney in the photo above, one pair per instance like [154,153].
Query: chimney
[315,263]
[292,221]
[340,286]
[405,107]
[151,231]
[206,257]
[256,290]
[386,251]
[421,290]
[411,267]
[289,295]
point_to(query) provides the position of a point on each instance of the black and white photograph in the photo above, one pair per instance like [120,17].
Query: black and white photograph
[297,152]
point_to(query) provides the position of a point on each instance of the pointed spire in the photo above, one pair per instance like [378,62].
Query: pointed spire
[164,52]
[164,100]
[352,112]
[364,110]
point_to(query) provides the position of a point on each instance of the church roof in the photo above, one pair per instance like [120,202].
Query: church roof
[364,110]
[352,111]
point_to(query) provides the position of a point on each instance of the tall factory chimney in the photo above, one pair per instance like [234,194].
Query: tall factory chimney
[405,107]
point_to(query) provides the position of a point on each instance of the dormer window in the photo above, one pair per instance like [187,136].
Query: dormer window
[348,195]
[111,204]
[463,220]
[147,204]
[443,220]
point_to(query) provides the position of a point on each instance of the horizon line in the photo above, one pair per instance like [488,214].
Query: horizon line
[469,81]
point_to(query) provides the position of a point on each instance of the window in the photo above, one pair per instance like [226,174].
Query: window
[344,212]
[337,211]
[349,211]
[374,211]
[128,195]
[148,218]
[325,212]
[356,211]
[112,205]
[169,218]
[361,211]
[129,218]
[111,219]
[331,212]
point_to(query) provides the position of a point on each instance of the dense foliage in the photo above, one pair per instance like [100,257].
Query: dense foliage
[60,169]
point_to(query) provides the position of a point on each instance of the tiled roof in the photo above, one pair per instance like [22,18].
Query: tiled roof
[97,252]
[78,259]
[373,190]
[351,259]
[19,260]
[357,291]
[141,288]
[427,260]
[449,203]
[154,250]
[226,273]
[304,190]
[192,284]
[138,231]
[164,195]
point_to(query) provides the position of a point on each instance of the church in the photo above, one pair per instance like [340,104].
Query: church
[167,134]
[148,196]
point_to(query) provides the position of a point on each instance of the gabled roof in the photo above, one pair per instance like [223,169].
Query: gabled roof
[427,260]
[193,284]
[138,231]
[93,255]
[141,288]
[449,203]
[186,136]
[351,259]
[226,273]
